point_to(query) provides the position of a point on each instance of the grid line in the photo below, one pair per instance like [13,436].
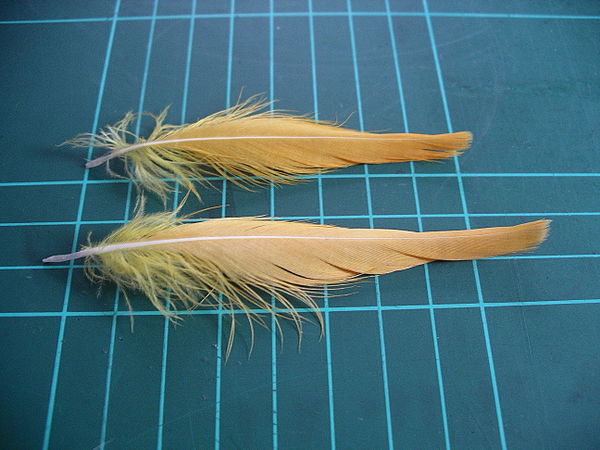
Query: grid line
[274,404]
[463,200]
[405,307]
[328,175]
[436,349]
[382,347]
[319,176]
[61,332]
[465,15]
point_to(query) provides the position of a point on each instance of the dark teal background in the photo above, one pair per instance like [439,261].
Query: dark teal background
[501,353]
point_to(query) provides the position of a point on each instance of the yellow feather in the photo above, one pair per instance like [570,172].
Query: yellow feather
[249,147]
[239,263]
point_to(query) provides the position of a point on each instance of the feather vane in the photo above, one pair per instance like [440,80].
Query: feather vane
[250,147]
[236,261]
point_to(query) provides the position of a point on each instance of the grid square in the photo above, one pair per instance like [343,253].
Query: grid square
[105,201]
[351,190]
[300,200]
[392,196]
[452,281]
[439,195]
[32,290]
[242,202]
[43,203]
[86,296]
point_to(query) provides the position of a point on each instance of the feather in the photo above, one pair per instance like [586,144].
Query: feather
[238,260]
[250,147]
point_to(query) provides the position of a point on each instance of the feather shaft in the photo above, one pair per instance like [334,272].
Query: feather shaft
[133,245]
[108,156]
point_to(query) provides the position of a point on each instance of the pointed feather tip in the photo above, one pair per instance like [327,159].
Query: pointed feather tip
[534,233]
[461,140]
[467,137]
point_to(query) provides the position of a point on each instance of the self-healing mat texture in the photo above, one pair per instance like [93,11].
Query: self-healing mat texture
[497,353]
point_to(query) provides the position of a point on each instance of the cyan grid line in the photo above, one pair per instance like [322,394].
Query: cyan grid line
[304,14]
[463,201]
[61,332]
[219,350]
[326,176]
[130,188]
[383,356]
[319,176]
[324,310]
[274,404]
[436,349]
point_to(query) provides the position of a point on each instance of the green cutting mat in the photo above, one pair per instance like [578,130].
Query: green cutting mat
[498,353]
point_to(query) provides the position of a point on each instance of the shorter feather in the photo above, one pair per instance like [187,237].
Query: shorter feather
[240,263]
[251,147]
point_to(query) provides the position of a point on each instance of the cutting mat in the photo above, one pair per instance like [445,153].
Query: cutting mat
[497,353]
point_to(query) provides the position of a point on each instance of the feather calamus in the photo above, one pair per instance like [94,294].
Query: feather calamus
[236,261]
[250,146]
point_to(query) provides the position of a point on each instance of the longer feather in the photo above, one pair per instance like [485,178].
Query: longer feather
[237,259]
[250,147]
